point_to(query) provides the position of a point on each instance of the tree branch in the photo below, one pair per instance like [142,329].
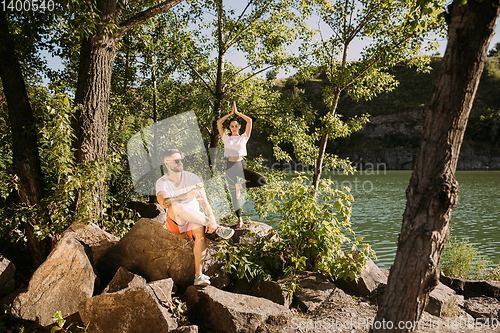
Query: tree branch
[233,40]
[239,18]
[143,16]
[201,77]
[248,78]
[238,72]
[373,63]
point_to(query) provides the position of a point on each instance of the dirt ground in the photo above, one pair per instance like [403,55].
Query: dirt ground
[356,314]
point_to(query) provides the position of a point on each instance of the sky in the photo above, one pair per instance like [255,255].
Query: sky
[238,59]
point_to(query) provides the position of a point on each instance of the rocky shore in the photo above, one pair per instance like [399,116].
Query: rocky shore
[143,283]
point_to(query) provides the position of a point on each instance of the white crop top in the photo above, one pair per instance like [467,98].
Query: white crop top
[235,145]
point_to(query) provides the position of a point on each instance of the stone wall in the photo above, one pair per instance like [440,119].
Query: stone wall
[404,159]
[411,123]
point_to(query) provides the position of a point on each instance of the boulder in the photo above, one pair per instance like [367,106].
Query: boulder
[124,279]
[65,279]
[315,289]
[251,231]
[472,287]
[213,265]
[7,271]
[272,290]
[151,251]
[483,307]
[131,310]
[151,211]
[371,278]
[217,310]
[98,240]
[442,300]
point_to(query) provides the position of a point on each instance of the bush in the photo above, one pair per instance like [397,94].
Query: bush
[461,259]
[313,232]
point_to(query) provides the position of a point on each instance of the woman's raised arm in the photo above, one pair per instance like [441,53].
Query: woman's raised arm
[248,129]
[221,121]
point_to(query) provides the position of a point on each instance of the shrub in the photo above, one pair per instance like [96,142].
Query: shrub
[461,259]
[313,229]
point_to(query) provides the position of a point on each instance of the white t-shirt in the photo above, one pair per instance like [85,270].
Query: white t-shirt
[188,182]
[235,145]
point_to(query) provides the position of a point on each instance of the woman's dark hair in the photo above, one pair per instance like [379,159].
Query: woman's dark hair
[234,119]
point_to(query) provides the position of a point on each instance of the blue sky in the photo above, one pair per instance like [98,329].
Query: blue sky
[239,60]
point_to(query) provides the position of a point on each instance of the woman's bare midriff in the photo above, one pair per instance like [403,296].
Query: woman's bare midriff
[235,158]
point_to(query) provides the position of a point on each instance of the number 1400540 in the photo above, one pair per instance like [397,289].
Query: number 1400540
[28,5]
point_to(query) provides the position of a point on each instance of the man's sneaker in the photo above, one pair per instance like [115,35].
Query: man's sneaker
[224,232]
[202,280]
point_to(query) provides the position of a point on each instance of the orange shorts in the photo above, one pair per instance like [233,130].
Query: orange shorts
[176,229]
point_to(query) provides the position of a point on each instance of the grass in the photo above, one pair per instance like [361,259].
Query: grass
[462,259]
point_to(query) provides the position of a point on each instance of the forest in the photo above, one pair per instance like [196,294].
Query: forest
[128,65]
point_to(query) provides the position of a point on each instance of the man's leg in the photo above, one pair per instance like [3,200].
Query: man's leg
[181,214]
[199,250]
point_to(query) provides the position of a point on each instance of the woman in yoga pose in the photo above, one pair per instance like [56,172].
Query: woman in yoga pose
[235,147]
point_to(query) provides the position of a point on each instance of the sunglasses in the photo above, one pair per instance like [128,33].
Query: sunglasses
[178,160]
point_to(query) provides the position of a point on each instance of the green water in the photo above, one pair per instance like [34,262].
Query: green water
[380,202]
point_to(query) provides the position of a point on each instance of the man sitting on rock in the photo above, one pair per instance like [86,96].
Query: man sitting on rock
[181,193]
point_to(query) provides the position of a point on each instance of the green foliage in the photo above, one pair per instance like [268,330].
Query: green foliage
[5,314]
[494,51]
[495,273]
[60,322]
[178,309]
[486,127]
[118,219]
[461,259]
[62,177]
[313,232]
[258,261]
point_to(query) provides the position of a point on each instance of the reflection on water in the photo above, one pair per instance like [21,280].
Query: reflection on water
[380,202]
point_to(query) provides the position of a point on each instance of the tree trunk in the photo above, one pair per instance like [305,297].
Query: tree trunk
[219,89]
[433,190]
[90,125]
[318,168]
[26,161]
[97,56]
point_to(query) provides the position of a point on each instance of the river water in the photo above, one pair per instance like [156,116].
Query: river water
[379,203]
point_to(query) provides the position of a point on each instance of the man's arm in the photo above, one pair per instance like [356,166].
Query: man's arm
[166,202]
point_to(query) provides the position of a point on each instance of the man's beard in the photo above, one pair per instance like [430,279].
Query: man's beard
[178,168]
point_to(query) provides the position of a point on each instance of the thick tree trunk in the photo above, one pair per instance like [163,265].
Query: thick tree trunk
[97,56]
[219,85]
[26,161]
[433,190]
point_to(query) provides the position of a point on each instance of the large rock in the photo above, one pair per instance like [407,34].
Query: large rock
[314,290]
[7,271]
[213,265]
[131,310]
[272,290]
[483,307]
[371,278]
[97,239]
[124,279]
[151,211]
[64,280]
[442,300]
[251,231]
[214,309]
[472,287]
[151,251]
